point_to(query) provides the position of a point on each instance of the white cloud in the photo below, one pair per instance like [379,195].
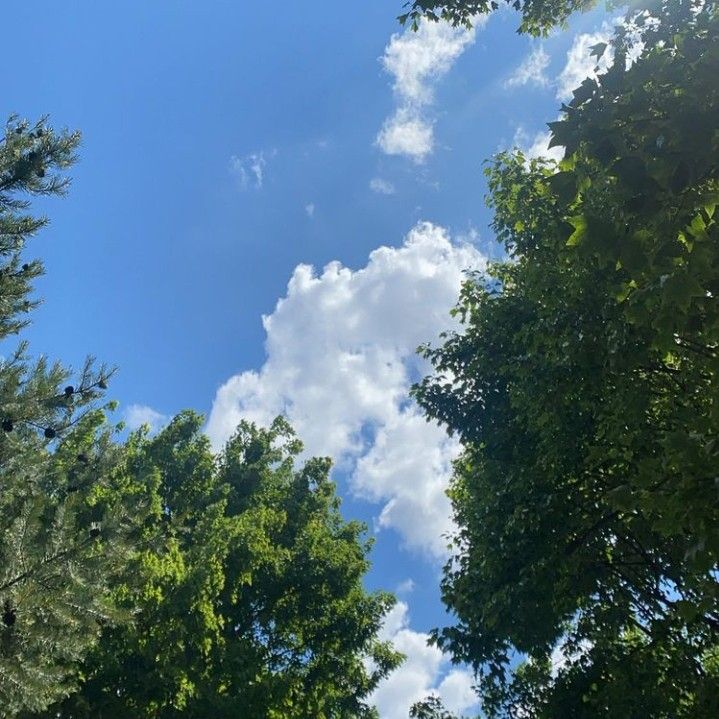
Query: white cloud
[250,169]
[408,467]
[310,210]
[537,146]
[406,133]
[417,61]
[581,64]
[471,235]
[137,415]
[423,672]
[531,70]
[340,359]
[382,187]
[405,587]
[457,691]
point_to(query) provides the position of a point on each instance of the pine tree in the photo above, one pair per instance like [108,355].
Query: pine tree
[61,528]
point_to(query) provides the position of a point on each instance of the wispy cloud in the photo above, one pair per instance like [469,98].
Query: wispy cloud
[250,169]
[580,64]
[405,587]
[310,209]
[381,187]
[417,61]
[137,415]
[532,70]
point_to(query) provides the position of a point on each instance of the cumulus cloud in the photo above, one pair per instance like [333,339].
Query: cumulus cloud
[380,186]
[250,169]
[408,468]
[581,64]
[457,691]
[417,61]
[137,415]
[531,70]
[406,133]
[424,672]
[340,360]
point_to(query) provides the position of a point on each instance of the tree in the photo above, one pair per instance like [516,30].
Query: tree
[538,16]
[251,601]
[430,708]
[585,387]
[62,522]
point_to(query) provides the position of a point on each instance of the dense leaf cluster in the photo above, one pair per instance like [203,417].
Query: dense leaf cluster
[538,17]
[63,519]
[585,389]
[249,600]
[430,708]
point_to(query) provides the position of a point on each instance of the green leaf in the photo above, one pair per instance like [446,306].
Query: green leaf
[560,131]
[563,186]
[630,170]
[686,610]
[580,230]
[584,92]
[598,50]
[681,288]
[621,496]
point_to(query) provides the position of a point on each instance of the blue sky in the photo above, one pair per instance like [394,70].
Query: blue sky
[226,144]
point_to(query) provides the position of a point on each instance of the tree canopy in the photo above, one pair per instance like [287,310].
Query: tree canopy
[538,17]
[64,521]
[584,386]
[249,598]
[154,577]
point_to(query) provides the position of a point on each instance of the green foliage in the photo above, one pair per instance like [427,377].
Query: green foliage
[31,161]
[538,16]
[249,601]
[585,387]
[430,708]
[63,518]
